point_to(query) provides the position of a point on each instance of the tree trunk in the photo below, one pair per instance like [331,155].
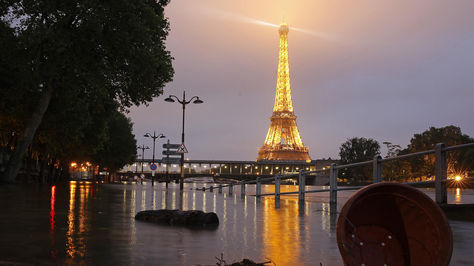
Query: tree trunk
[14,164]
[28,167]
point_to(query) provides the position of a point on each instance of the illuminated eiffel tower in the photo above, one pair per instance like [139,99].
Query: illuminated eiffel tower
[283,141]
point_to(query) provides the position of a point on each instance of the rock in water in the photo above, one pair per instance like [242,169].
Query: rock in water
[177,217]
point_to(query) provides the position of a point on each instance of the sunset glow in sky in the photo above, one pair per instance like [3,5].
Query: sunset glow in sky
[374,69]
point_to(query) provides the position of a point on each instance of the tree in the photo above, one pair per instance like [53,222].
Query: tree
[394,169]
[102,50]
[120,147]
[358,150]
[458,162]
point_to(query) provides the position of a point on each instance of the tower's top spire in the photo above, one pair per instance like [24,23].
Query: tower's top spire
[283,101]
[284,28]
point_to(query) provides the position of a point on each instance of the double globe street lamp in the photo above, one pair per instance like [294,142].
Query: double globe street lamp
[154,137]
[183,102]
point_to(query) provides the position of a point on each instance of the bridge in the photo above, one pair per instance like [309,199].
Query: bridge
[240,170]
[440,182]
[281,170]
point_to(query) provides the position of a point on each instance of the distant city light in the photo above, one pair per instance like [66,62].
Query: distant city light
[458,178]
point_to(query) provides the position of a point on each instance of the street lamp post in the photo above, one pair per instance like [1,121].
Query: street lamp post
[143,148]
[136,165]
[154,137]
[183,102]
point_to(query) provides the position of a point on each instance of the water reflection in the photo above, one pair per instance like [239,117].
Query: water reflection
[281,232]
[78,220]
[52,221]
[94,224]
[70,246]
[458,195]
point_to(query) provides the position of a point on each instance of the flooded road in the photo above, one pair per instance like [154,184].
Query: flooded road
[81,222]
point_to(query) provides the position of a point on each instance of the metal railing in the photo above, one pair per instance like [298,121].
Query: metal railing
[440,176]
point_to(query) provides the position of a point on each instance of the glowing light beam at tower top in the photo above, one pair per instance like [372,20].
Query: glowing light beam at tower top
[234,17]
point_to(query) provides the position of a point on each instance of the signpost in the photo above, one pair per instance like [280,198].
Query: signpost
[182,149]
[168,152]
[168,160]
[170,146]
[153,169]
[170,149]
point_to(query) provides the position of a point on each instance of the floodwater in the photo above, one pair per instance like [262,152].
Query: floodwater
[86,223]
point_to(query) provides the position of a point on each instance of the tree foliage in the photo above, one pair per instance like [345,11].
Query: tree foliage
[395,170]
[459,162]
[358,150]
[63,64]
[120,147]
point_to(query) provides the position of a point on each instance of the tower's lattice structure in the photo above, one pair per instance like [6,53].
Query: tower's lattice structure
[283,141]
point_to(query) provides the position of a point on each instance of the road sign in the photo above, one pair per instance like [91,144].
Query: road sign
[182,149]
[171,146]
[171,153]
[171,160]
[153,167]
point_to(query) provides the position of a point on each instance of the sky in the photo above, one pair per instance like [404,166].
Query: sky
[376,69]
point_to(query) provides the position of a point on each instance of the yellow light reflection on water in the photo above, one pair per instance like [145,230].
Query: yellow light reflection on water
[204,202]
[143,199]
[458,195]
[214,202]
[281,232]
[70,245]
[185,201]
[163,199]
[77,230]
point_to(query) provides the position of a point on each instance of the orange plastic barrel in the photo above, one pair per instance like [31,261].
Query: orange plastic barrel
[393,224]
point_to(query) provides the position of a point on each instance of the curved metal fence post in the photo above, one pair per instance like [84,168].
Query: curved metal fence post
[258,188]
[220,188]
[301,183]
[231,188]
[333,184]
[440,174]
[277,186]
[377,169]
[242,188]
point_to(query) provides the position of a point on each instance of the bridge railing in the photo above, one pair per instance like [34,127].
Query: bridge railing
[440,176]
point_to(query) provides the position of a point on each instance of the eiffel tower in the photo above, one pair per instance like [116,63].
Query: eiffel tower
[283,141]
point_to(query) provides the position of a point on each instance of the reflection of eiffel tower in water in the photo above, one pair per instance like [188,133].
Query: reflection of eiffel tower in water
[283,141]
